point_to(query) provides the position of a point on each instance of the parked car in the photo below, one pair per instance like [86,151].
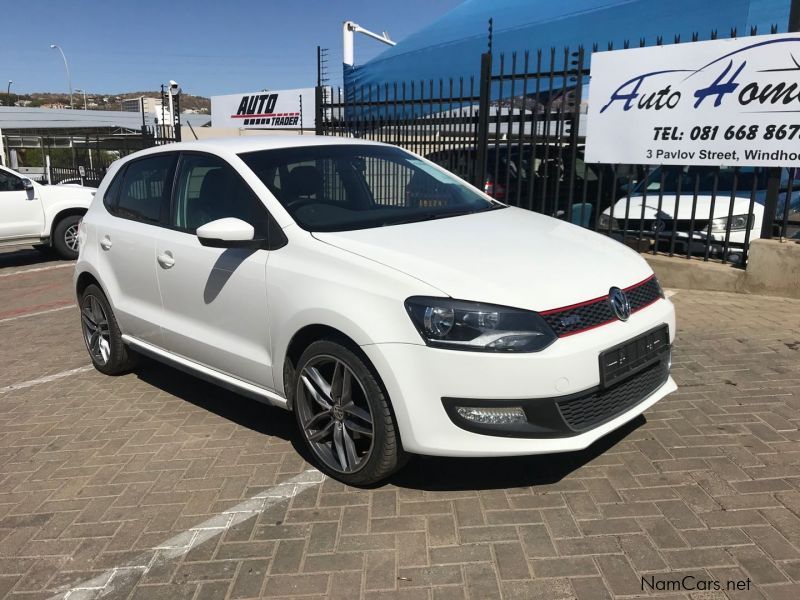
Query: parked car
[656,208]
[80,181]
[41,215]
[541,174]
[296,271]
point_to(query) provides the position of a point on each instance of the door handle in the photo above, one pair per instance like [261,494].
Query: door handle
[105,243]
[165,259]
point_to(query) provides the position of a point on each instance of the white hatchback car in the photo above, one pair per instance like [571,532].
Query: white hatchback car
[392,307]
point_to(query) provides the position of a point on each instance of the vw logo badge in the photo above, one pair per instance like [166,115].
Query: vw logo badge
[619,303]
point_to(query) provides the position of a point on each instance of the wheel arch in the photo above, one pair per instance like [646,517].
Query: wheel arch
[65,212]
[301,340]
[84,280]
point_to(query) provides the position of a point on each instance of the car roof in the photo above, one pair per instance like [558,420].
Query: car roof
[239,144]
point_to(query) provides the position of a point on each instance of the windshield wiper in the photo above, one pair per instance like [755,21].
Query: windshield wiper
[434,216]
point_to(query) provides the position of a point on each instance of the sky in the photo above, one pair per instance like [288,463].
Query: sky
[208,47]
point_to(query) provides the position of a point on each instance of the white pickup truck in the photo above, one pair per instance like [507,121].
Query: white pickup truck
[41,215]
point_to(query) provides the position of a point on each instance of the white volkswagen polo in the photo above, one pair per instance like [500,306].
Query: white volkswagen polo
[392,307]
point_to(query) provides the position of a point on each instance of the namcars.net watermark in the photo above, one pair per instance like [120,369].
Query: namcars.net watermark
[691,583]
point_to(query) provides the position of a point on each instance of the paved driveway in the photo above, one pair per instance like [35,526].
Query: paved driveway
[157,485]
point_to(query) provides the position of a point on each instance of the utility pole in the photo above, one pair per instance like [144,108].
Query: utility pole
[66,66]
[8,89]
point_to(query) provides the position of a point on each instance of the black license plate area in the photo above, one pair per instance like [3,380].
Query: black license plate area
[630,357]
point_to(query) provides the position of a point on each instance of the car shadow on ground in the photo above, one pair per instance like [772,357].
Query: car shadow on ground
[430,473]
[245,412]
[28,257]
[435,473]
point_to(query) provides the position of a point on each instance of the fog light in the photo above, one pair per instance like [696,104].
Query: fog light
[493,416]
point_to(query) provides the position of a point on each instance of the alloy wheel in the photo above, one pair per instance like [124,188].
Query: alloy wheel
[94,323]
[71,237]
[334,413]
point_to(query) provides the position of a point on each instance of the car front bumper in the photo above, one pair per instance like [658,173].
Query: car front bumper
[421,381]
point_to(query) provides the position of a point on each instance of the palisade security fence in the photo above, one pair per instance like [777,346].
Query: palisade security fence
[517,132]
[79,158]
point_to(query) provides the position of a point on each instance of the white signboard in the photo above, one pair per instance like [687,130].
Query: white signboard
[725,102]
[275,109]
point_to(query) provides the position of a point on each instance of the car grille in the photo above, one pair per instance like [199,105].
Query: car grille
[587,315]
[666,226]
[603,405]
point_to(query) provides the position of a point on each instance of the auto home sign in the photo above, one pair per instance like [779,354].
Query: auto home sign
[275,109]
[725,102]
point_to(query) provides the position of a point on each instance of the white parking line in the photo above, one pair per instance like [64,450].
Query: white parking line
[670,293]
[50,268]
[47,379]
[119,578]
[35,314]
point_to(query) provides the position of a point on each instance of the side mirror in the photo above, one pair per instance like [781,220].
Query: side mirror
[228,233]
[27,184]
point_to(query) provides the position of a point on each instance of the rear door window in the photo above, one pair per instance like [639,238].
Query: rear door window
[145,189]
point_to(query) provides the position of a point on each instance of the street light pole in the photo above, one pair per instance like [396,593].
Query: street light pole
[66,66]
[8,89]
[84,97]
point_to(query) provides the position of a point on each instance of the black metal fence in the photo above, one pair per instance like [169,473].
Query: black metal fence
[516,132]
[81,159]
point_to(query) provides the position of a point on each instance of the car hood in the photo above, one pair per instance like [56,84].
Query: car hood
[670,209]
[80,195]
[509,256]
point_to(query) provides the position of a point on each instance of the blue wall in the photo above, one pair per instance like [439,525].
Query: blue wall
[452,45]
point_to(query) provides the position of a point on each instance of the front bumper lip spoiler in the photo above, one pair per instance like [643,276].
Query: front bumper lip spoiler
[549,418]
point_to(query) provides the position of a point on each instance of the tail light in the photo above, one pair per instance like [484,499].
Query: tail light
[495,190]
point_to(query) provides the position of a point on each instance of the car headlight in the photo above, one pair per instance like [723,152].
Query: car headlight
[738,223]
[606,222]
[462,325]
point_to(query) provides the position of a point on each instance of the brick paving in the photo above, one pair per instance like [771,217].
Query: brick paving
[96,472]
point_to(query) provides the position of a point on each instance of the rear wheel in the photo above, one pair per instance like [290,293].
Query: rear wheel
[102,335]
[344,415]
[65,237]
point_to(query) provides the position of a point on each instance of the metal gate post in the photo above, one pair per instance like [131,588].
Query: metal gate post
[482,137]
[774,177]
[319,98]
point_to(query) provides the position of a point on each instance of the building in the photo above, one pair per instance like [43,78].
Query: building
[151,105]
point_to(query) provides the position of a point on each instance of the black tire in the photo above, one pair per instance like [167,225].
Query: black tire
[62,237]
[385,454]
[120,359]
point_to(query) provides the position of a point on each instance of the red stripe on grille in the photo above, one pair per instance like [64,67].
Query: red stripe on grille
[594,300]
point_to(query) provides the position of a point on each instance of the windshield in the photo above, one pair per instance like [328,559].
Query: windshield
[345,187]
[686,176]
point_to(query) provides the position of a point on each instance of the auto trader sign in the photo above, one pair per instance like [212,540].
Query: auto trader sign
[275,109]
[725,102]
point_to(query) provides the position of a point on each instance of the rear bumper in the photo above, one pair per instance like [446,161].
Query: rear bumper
[420,379]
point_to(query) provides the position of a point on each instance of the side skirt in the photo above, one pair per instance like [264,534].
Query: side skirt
[221,379]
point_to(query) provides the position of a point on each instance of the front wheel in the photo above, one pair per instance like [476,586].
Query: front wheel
[102,335]
[65,237]
[344,415]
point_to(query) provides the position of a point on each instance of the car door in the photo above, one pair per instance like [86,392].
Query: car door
[215,299]
[21,213]
[137,203]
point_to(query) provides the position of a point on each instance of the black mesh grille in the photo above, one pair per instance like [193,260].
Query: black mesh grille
[598,312]
[681,225]
[603,405]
